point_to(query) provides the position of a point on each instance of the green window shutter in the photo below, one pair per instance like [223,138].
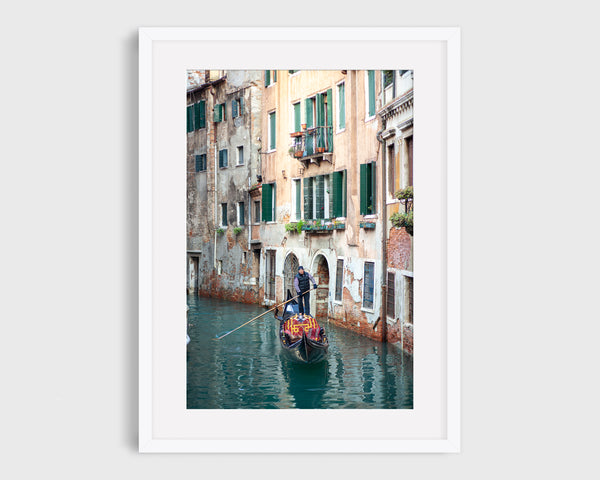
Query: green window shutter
[202,114]
[309,112]
[320,196]
[225,163]
[196,110]
[234,108]
[308,198]
[345,194]
[241,112]
[298,200]
[224,214]
[338,191]
[320,120]
[297,120]
[371,77]
[267,202]
[373,179]
[273,133]
[267,78]
[363,189]
[198,162]
[217,113]
[329,121]
[242,213]
[190,120]
[274,76]
[342,103]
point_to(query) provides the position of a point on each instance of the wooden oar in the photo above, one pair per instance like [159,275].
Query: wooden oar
[249,321]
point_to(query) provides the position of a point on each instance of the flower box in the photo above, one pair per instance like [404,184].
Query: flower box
[367,225]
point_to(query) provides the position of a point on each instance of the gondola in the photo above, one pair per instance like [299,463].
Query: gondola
[310,343]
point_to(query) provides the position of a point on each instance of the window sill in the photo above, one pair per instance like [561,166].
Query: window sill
[367,310]
[371,217]
[240,164]
[368,119]
[271,151]
[340,131]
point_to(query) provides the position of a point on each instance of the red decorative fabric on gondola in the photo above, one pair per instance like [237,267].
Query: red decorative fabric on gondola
[294,326]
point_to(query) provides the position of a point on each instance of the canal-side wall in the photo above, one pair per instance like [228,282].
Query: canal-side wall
[220,260]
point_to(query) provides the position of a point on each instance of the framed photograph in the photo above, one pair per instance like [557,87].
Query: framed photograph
[279,235]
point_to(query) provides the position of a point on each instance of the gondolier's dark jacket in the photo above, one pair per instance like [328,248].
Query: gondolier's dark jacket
[302,282]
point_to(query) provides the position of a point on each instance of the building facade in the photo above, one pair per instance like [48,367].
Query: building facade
[320,205]
[223,137]
[396,117]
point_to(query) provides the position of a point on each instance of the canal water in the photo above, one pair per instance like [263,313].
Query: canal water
[246,369]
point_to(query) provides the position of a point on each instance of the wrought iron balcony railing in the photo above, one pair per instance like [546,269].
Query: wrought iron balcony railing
[311,142]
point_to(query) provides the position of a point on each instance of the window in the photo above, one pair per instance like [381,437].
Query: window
[391,295]
[237,107]
[201,163]
[240,214]
[196,116]
[409,155]
[240,155]
[370,93]
[388,78]
[369,284]
[324,196]
[297,118]
[219,267]
[291,72]
[388,82]
[268,202]
[391,166]
[408,299]
[316,197]
[324,117]
[272,131]
[270,77]
[223,158]
[341,107]
[219,113]
[257,211]
[296,199]
[339,280]
[223,214]
[270,272]
[367,189]
[309,105]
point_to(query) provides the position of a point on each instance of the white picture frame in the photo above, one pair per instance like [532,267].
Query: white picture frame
[164,423]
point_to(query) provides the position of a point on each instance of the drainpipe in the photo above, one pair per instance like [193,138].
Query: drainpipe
[212,92]
[383,236]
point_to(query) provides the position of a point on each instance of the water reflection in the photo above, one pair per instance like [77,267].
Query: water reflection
[246,369]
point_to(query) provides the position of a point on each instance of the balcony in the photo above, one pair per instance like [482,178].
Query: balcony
[312,145]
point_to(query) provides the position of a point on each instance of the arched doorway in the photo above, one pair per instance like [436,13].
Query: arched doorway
[320,301]
[290,269]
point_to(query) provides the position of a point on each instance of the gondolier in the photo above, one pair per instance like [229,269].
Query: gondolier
[302,285]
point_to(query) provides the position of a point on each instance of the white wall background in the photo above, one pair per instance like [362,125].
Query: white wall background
[68,258]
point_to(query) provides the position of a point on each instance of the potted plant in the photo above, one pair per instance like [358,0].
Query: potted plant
[237,230]
[220,231]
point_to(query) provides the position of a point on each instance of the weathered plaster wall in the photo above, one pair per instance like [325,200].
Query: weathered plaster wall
[226,266]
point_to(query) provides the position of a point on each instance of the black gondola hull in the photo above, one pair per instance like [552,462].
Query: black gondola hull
[305,350]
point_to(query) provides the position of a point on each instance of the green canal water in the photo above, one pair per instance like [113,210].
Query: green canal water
[246,369]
